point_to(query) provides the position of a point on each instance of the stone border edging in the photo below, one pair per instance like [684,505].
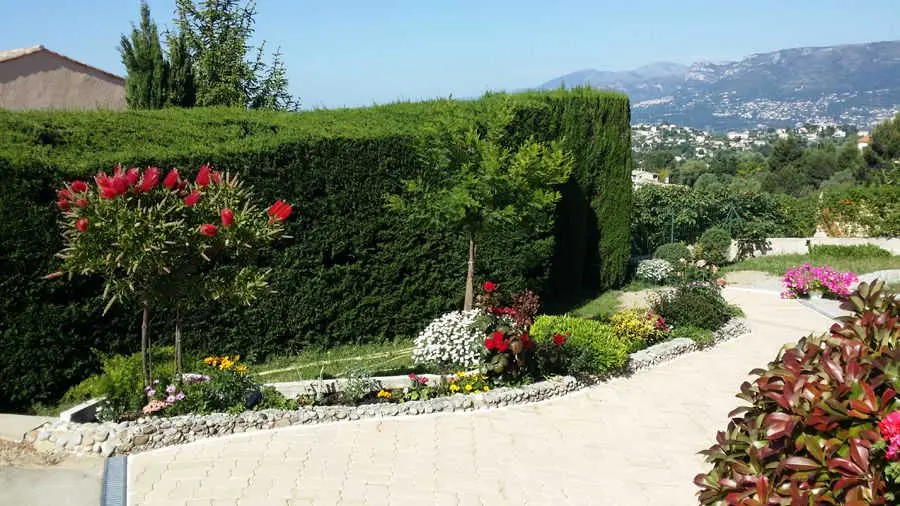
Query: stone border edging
[145,434]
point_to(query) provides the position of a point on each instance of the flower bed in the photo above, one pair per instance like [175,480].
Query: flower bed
[806,279]
[148,433]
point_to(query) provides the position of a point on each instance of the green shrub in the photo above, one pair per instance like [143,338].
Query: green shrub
[854,251]
[673,252]
[714,245]
[872,210]
[596,347]
[696,306]
[353,271]
[121,381]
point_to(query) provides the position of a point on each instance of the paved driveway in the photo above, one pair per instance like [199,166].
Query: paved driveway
[630,441]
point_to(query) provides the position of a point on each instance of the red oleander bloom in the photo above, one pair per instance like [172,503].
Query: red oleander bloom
[203,175]
[192,198]
[279,211]
[171,181]
[559,339]
[209,230]
[82,224]
[79,186]
[227,217]
[132,177]
[489,286]
[148,180]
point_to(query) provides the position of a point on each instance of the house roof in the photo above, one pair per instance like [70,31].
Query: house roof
[15,54]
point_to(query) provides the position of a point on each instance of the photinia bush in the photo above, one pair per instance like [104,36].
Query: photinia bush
[167,242]
[820,426]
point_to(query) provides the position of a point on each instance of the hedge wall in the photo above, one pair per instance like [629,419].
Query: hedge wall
[352,272]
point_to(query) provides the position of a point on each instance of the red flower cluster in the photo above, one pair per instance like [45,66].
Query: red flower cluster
[659,324]
[172,180]
[497,342]
[559,339]
[279,211]
[206,176]
[82,224]
[227,216]
[890,431]
[489,286]
[209,230]
[192,198]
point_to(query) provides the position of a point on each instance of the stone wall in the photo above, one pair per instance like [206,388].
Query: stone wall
[800,245]
[144,434]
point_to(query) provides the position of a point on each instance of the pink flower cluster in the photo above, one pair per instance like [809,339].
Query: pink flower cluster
[890,431]
[806,278]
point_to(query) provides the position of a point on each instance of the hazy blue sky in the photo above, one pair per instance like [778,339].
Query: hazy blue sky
[358,52]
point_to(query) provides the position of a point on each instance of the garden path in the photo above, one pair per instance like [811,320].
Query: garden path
[628,441]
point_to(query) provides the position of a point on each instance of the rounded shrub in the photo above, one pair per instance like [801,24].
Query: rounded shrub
[450,341]
[714,245]
[595,347]
[696,306]
[673,252]
[822,425]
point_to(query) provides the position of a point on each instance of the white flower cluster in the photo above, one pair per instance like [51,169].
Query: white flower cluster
[450,340]
[656,270]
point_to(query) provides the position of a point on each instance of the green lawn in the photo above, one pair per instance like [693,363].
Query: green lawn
[777,264]
[376,359]
[600,308]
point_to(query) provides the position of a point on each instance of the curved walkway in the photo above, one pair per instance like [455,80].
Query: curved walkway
[629,441]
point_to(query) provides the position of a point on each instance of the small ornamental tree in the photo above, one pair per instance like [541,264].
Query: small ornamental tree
[489,186]
[156,239]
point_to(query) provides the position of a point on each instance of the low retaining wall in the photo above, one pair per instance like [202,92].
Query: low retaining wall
[145,434]
[800,245]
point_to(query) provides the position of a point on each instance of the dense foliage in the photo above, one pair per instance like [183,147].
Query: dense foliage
[665,214]
[821,424]
[851,251]
[872,211]
[358,274]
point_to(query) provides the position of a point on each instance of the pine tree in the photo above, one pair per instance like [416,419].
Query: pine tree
[272,92]
[218,33]
[181,91]
[142,54]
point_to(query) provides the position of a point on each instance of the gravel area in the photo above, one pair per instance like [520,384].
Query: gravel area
[24,455]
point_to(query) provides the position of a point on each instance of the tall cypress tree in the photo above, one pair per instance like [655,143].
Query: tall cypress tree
[181,89]
[142,54]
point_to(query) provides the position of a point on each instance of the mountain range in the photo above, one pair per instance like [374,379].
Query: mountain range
[856,84]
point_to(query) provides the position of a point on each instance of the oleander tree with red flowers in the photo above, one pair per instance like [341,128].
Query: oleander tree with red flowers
[166,240]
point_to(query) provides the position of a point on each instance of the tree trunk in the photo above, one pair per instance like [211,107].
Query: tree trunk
[470,276]
[178,364]
[145,341]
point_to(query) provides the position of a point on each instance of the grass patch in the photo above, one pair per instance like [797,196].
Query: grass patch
[600,308]
[777,264]
[385,359]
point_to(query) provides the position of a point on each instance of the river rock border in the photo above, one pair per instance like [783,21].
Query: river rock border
[145,434]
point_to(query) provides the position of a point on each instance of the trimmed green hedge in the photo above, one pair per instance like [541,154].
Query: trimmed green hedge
[354,272]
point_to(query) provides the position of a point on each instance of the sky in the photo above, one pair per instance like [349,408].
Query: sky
[349,53]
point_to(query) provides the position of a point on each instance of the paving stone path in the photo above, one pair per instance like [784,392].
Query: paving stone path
[629,441]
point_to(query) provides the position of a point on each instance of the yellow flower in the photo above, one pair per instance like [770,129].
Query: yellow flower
[486,388]
[454,387]
[209,360]
[460,374]
[241,369]
[226,363]
[385,394]
[468,388]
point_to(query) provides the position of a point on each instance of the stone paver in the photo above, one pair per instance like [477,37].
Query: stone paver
[629,441]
